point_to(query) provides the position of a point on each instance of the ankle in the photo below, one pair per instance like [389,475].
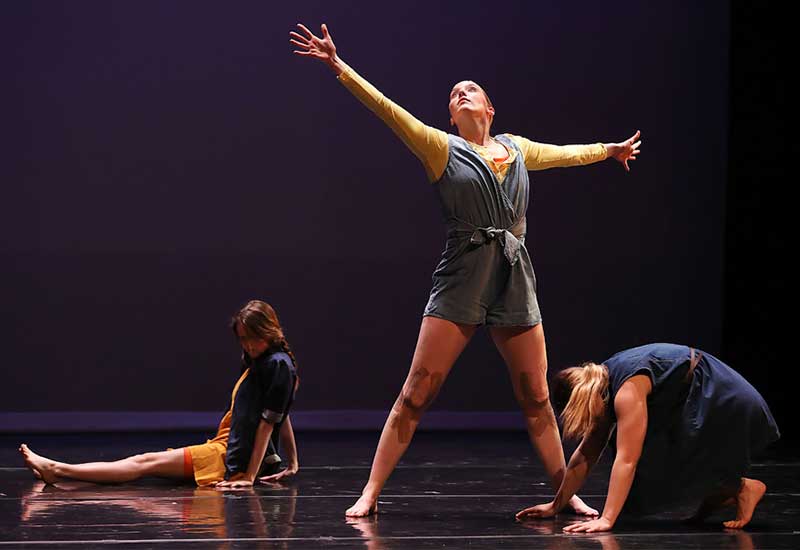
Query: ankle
[371,491]
[55,468]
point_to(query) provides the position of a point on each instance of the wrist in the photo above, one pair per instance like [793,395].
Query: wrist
[335,64]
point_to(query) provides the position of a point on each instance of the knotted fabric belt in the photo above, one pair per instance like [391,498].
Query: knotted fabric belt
[508,238]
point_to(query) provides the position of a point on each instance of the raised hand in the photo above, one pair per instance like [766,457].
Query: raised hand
[626,150]
[312,45]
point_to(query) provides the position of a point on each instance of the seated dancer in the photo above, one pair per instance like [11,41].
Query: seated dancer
[485,276]
[687,426]
[244,447]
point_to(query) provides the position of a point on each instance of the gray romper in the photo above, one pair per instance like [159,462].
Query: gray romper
[485,275]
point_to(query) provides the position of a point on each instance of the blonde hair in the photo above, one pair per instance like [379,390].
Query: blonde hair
[588,396]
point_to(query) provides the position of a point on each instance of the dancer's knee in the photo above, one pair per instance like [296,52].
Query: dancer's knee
[417,394]
[533,396]
[145,462]
[419,391]
[537,408]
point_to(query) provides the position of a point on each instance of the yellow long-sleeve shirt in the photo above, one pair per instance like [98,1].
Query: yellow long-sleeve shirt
[430,144]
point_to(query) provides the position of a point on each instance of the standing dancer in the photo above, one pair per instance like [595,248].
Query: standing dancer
[687,426]
[485,274]
[247,437]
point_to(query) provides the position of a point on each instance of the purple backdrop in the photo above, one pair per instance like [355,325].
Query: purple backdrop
[167,162]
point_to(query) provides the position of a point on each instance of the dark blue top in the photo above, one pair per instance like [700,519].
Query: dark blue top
[266,393]
[702,429]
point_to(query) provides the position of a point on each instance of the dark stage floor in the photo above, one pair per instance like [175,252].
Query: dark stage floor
[453,490]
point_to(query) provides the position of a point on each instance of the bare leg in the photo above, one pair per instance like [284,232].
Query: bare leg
[750,493]
[525,354]
[161,464]
[439,345]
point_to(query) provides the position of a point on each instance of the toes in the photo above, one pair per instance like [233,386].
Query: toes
[358,513]
[358,510]
[734,524]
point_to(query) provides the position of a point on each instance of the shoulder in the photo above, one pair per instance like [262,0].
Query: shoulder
[510,139]
[277,362]
[453,139]
[519,141]
[625,365]
[459,145]
[632,394]
[637,386]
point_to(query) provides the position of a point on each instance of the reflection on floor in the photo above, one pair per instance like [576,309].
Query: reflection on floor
[452,490]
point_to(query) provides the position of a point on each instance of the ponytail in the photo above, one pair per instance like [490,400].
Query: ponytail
[284,346]
[587,400]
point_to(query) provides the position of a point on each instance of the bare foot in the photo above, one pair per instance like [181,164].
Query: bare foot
[581,508]
[364,506]
[750,494]
[41,467]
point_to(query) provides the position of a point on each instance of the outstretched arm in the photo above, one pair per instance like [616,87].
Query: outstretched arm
[580,464]
[541,156]
[630,406]
[427,143]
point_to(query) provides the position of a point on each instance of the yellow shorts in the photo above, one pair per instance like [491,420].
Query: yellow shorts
[208,462]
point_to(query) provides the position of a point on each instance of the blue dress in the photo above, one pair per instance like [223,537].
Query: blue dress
[703,428]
